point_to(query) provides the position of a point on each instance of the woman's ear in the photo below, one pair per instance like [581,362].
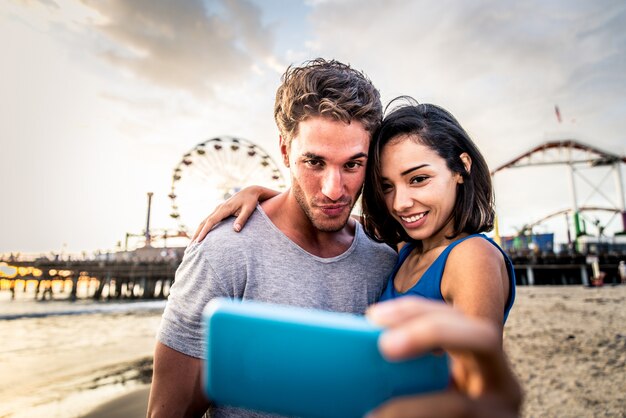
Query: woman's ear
[467,163]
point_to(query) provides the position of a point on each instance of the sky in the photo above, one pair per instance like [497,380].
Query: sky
[101,99]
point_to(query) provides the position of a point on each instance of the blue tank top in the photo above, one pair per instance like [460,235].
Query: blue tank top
[429,286]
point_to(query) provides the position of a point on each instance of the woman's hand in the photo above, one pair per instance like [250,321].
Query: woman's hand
[483,383]
[241,205]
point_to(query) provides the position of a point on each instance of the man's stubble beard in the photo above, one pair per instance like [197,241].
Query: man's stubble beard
[308,211]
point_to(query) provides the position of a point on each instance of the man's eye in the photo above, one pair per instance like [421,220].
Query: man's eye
[313,163]
[353,165]
[418,179]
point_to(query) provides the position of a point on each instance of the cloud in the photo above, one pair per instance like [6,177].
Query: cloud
[185,45]
[47,3]
[499,67]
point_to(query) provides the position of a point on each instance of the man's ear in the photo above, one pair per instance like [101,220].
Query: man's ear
[284,150]
[467,163]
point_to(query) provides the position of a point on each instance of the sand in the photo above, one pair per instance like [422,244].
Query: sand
[567,345]
[132,404]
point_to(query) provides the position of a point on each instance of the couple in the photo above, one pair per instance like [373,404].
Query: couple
[425,184]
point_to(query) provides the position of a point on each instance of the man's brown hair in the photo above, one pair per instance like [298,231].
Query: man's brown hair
[325,88]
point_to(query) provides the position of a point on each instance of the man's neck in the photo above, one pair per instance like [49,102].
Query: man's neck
[287,215]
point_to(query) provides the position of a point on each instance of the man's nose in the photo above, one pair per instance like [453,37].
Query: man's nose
[332,186]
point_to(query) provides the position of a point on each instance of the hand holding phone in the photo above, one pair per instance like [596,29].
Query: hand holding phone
[305,362]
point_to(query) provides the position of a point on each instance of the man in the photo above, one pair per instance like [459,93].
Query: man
[299,248]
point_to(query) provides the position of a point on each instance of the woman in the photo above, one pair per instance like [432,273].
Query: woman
[428,191]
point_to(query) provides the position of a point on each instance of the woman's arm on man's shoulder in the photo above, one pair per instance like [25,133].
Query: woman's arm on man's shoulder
[241,205]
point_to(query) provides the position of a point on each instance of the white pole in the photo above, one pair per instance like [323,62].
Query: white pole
[617,169]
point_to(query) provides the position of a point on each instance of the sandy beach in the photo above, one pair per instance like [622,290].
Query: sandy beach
[567,344]
[65,366]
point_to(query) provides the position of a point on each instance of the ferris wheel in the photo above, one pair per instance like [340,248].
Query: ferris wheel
[213,171]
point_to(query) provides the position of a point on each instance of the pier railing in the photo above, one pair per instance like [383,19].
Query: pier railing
[123,275]
[149,274]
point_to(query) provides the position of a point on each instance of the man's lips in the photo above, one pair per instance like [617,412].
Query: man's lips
[333,210]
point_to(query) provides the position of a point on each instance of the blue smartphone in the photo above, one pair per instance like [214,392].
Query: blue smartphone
[305,362]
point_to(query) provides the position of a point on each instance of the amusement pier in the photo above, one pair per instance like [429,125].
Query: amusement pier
[589,258]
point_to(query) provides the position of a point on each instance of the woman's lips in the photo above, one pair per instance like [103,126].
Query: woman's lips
[414,221]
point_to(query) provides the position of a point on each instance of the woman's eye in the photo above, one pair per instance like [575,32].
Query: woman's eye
[386,188]
[418,179]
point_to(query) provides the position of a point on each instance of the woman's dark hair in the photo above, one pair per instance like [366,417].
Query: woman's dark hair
[437,129]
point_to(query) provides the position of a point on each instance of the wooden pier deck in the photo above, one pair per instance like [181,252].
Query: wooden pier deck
[149,273]
[131,275]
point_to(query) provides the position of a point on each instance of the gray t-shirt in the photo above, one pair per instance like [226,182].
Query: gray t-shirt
[263,264]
